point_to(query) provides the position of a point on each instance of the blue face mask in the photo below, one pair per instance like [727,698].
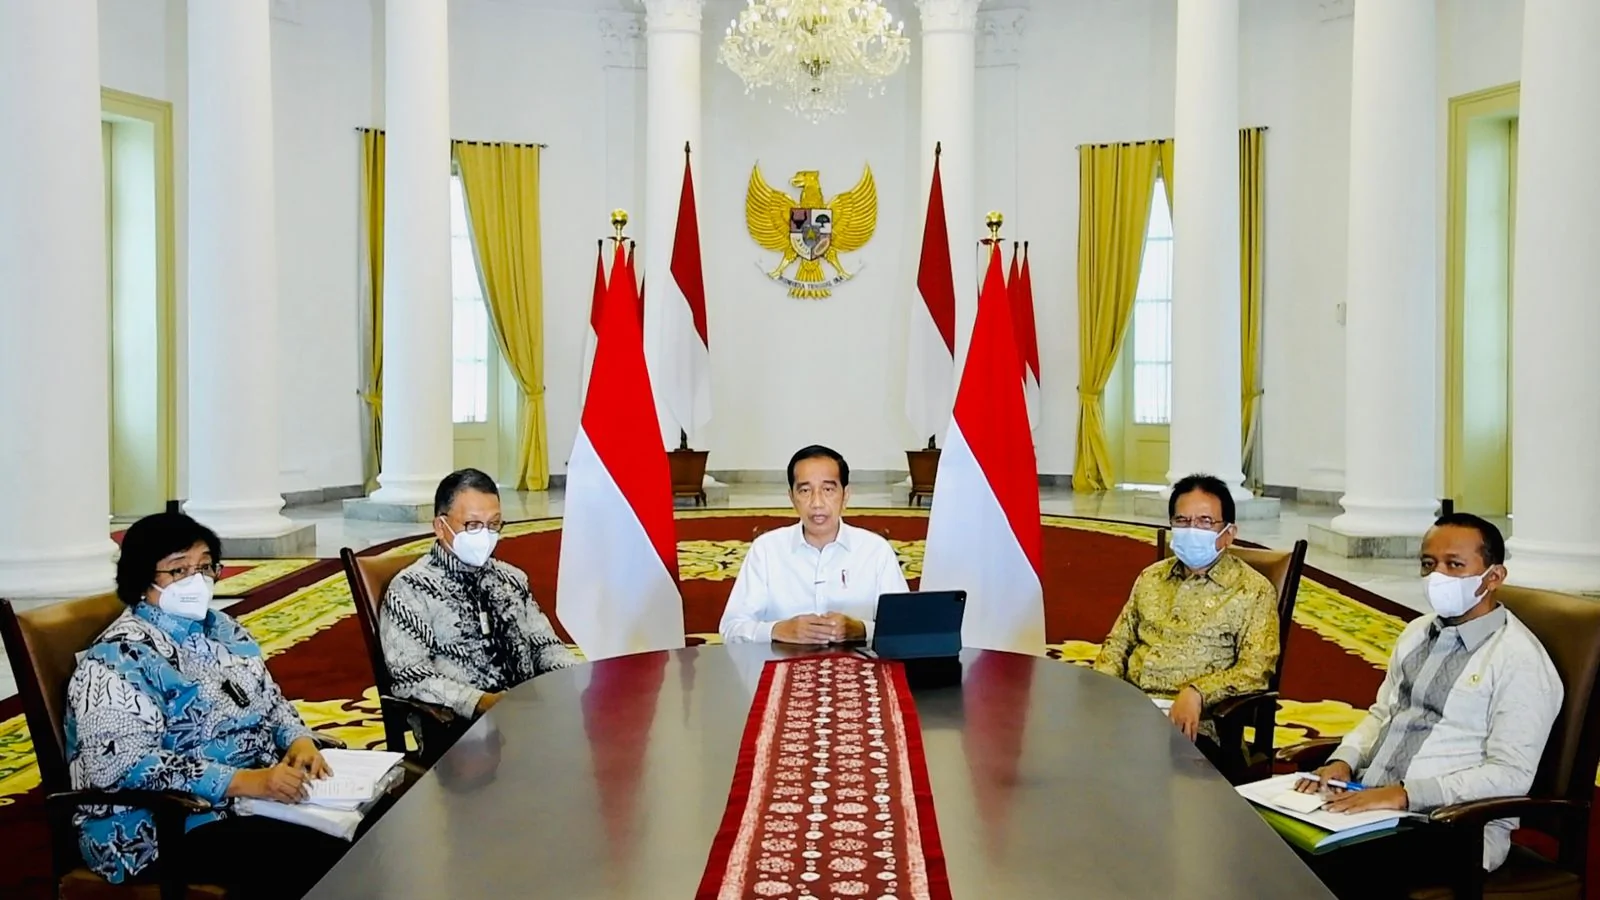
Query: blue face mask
[1196,548]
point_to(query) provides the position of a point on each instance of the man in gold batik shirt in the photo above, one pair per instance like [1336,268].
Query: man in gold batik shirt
[1199,628]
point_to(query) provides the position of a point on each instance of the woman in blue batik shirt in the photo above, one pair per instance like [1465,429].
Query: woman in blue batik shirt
[176,696]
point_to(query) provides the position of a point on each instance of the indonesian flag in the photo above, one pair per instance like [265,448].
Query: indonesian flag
[685,351]
[1020,290]
[597,298]
[931,354]
[617,578]
[984,535]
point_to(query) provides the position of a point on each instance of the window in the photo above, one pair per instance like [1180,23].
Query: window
[1152,319]
[469,382]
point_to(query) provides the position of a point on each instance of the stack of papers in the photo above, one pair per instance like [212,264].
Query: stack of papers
[335,805]
[1162,703]
[1302,821]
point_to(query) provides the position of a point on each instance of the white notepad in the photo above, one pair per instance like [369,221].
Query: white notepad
[1162,703]
[357,776]
[1274,792]
[335,805]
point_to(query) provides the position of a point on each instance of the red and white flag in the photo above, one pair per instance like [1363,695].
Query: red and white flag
[1020,289]
[931,353]
[617,578]
[984,535]
[686,346]
[597,298]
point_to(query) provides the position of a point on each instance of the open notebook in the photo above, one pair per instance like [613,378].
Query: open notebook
[335,804]
[1302,821]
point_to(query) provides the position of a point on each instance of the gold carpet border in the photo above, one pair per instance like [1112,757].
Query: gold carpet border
[260,572]
[1346,622]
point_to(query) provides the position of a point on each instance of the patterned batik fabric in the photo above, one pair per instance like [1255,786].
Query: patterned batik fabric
[1216,632]
[452,632]
[162,703]
[830,798]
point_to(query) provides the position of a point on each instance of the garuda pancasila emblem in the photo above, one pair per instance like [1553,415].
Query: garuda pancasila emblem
[811,231]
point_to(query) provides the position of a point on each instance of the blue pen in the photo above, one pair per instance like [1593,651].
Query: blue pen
[1334,782]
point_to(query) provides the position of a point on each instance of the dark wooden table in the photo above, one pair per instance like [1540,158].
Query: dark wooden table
[609,781]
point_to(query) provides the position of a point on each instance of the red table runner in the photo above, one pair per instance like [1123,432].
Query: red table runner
[830,795]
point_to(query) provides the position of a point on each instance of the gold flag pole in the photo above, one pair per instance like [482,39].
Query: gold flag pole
[619,221]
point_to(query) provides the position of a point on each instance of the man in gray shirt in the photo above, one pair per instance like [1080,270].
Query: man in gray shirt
[1463,713]
[458,627]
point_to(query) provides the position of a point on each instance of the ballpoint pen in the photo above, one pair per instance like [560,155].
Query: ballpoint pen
[1334,782]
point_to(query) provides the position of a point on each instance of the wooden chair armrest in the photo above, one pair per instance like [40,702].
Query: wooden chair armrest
[154,801]
[1242,705]
[169,809]
[1308,755]
[1477,813]
[442,714]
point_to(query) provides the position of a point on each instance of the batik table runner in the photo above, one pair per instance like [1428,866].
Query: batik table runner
[830,796]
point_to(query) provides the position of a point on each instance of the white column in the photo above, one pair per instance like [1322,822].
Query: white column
[672,112]
[1205,433]
[1555,491]
[233,273]
[418,442]
[1391,479]
[949,83]
[54,436]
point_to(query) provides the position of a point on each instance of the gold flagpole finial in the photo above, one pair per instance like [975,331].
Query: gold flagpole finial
[619,221]
[993,221]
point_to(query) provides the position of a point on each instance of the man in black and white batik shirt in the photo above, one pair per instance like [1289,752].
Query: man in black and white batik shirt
[459,628]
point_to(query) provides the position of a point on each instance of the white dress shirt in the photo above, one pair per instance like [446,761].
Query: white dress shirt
[783,577]
[1463,712]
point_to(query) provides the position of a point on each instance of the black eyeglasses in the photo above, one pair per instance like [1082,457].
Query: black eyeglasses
[210,570]
[1205,522]
[475,527]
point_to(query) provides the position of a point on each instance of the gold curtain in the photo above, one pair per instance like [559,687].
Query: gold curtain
[501,183]
[372,168]
[1114,185]
[1166,169]
[1252,216]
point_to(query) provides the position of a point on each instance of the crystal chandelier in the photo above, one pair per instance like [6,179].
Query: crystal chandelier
[811,53]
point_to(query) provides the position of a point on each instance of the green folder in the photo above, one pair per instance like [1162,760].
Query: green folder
[1317,841]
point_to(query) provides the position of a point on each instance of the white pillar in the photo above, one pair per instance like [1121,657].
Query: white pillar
[1555,321]
[54,436]
[672,113]
[233,273]
[418,441]
[1391,475]
[1205,433]
[949,83]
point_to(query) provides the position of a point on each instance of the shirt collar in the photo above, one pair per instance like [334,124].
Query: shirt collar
[842,538]
[442,557]
[1475,632]
[1221,571]
[176,627]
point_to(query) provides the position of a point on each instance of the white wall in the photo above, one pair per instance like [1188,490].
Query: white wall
[785,371]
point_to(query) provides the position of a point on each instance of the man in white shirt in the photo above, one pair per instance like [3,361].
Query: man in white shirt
[816,581]
[1463,714]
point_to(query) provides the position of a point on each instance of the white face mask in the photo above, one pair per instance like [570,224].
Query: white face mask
[473,547]
[186,599]
[1451,597]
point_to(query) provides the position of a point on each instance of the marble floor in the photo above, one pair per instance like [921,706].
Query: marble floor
[1393,579]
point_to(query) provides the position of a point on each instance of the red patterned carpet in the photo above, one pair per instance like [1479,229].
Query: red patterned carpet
[305,623]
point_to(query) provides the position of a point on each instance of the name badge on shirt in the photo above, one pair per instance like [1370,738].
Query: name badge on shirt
[483,622]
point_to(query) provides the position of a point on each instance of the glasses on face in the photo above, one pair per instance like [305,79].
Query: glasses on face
[475,527]
[210,570]
[1206,522]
